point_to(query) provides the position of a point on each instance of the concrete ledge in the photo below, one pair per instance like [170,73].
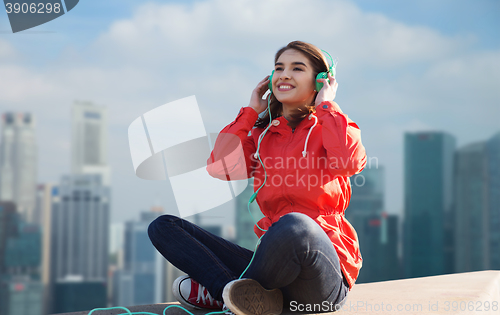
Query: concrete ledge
[463,293]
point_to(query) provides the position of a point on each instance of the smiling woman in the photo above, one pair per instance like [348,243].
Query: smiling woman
[308,252]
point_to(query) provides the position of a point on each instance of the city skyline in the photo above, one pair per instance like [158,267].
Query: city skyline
[428,154]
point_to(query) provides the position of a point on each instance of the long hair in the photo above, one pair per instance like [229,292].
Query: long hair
[318,63]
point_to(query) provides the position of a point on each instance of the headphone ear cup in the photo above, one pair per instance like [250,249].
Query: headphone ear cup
[319,85]
[270,84]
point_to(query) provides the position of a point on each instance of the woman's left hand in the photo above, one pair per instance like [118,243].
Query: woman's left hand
[328,91]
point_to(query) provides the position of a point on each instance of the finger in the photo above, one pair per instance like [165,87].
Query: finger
[324,81]
[331,78]
[263,82]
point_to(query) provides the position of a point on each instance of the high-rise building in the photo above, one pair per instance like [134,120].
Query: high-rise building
[428,186]
[20,295]
[74,294]
[23,252]
[470,207]
[8,228]
[367,192]
[89,140]
[377,231]
[46,194]
[80,236]
[20,256]
[79,222]
[18,162]
[477,206]
[493,199]
[141,280]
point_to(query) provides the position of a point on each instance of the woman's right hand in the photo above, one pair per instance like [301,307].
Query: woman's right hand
[256,101]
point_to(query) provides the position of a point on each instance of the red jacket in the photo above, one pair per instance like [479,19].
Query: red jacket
[315,183]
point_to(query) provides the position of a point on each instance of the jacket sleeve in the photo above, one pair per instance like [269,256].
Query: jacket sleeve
[341,139]
[231,157]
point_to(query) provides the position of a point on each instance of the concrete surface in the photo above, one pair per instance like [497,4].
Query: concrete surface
[462,293]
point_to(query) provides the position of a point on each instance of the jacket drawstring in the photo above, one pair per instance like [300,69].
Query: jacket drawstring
[304,153]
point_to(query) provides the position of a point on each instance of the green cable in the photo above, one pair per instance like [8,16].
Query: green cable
[120,307]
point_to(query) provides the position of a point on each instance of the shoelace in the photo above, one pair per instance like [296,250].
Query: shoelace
[204,297]
[228,311]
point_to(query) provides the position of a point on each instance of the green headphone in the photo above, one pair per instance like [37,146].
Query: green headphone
[321,75]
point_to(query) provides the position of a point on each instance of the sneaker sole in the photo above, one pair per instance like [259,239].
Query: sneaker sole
[248,297]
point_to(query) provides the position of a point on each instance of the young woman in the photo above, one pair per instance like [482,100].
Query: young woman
[309,256]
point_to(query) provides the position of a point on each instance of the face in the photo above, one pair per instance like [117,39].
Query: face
[293,79]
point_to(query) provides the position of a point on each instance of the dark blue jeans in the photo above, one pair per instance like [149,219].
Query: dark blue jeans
[295,255]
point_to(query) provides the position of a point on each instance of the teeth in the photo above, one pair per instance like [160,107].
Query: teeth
[285,87]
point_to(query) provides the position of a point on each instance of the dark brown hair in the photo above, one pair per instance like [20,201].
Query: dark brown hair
[318,63]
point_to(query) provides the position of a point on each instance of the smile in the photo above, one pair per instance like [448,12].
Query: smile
[285,87]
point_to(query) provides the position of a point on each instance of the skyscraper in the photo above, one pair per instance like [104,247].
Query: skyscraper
[493,199]
[428,185]
[20,255]
[80,235]
[470,207]
[45,196]
[18,162]
[477,206]
[367,192]
[80,217]
[377,231]
[8,228]
[20,295]
[141,280]
[89,140]
[80,228]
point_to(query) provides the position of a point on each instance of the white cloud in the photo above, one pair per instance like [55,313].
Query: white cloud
[6,50]
[478,72]
[20,84]
[253,30]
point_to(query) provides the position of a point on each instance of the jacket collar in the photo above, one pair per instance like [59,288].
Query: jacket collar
[280,124]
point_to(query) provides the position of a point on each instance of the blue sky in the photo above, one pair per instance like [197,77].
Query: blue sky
[481,18]
[403,66]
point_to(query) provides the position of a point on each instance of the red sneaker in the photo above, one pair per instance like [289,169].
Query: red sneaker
[193,295]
